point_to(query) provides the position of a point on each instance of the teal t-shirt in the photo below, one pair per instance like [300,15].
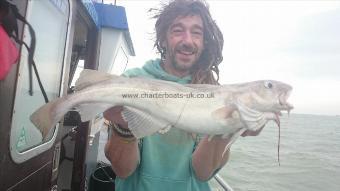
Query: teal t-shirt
[165,163]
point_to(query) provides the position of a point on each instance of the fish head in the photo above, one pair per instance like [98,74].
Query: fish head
[266,96]
[260,101]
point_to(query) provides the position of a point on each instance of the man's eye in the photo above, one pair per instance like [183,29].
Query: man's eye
[198,33]
[177,30]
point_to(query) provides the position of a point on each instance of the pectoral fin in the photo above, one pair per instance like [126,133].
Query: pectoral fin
[223,112]
[142,124]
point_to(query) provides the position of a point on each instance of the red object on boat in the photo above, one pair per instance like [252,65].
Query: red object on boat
[8,53]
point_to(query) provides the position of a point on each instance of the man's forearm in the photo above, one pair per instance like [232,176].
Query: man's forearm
[123,155]
[207,157]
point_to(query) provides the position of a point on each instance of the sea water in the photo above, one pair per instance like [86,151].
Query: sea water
[309,157]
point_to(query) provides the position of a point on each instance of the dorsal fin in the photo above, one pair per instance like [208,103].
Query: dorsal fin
[89,77]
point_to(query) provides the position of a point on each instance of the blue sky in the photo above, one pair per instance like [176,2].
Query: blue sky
[297,42]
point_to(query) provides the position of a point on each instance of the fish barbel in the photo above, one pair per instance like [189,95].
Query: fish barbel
[152,106]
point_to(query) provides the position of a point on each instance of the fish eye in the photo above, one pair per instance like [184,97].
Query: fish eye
[268,84]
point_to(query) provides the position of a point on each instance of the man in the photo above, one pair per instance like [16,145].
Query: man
[190,44]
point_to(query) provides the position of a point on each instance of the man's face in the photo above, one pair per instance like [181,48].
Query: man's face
[184,42]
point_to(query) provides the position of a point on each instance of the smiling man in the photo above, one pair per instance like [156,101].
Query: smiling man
[190,44]
[184,44]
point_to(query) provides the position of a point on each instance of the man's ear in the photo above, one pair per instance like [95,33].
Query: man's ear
[163,44]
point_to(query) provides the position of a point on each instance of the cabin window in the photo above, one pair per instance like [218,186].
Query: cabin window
[120,62]
[49,20]
[79,69]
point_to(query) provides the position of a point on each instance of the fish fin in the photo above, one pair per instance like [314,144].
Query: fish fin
[45,117]
[89,77]
[202,87]
[210,137]
[142,124]
[165,129]
[225,136]
[232,138]
[193,136]
[223,112]
[89,111]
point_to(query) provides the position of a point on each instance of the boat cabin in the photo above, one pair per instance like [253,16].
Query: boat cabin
[67,37]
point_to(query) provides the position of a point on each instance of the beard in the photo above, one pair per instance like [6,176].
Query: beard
[183,64]
[180,65]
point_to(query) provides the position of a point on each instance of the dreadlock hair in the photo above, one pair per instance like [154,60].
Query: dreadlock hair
[203,71]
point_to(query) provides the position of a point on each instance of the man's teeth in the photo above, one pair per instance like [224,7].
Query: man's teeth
[186,53]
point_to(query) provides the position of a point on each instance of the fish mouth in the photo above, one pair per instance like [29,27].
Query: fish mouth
[284,104]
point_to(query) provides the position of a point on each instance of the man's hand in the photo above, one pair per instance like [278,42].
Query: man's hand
[252,133]
[124,156]
[114,114]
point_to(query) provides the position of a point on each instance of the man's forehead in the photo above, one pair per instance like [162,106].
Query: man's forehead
[192,19]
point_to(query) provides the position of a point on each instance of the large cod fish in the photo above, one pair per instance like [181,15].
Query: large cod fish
[156,106]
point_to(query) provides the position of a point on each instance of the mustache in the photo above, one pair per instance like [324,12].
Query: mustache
[186,48]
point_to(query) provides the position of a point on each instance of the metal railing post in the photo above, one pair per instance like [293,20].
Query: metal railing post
[222,183]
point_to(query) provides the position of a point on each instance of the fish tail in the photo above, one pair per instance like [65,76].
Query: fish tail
[45,118]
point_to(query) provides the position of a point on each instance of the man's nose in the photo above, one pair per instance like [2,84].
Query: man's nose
[187,37]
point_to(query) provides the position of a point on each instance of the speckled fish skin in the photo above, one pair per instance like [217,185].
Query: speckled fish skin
[223,110]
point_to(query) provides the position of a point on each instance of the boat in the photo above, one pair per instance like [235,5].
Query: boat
[61,38]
